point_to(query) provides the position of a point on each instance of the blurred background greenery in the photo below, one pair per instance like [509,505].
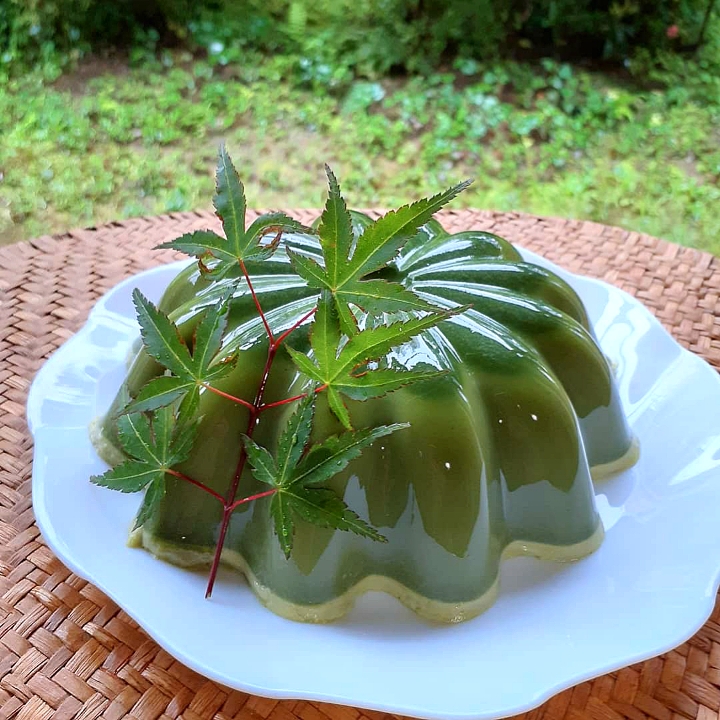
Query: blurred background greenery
[579,108]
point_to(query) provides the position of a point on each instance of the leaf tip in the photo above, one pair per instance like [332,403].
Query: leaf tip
[332,181]
[455,190]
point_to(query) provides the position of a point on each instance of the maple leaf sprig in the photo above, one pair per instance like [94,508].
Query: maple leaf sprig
[343,283]
[295,473]
[158,428]
[163,341]
[348,261]
[240,244]
[190,372]
[342,372]
[153,449]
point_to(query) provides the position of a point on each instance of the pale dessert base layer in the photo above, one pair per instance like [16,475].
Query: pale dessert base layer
[431,610]
[606,470]
[103,447]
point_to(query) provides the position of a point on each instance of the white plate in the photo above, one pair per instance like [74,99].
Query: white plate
[649,587]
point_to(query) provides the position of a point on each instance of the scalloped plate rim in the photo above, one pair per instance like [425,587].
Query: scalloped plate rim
[44,515]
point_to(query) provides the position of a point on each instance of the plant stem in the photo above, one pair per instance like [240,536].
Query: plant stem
[197,483]
[229,502]
[250,498]
[296,325]
[238,400]
[278,403]
[230,498]
[257,302]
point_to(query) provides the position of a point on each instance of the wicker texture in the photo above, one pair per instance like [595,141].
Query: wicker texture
[67,652]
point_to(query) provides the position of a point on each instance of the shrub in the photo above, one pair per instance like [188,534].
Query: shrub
[613,28]
[33,31]
[369,38]
[378,36]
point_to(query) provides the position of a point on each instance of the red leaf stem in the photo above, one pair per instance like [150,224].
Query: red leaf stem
[238,400]
[229,503]
[230,498]
[257,303]
[250,498]
[296,325]
[278,403]
[197,483]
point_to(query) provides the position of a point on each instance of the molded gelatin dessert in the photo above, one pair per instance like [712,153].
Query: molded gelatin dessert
[497,460]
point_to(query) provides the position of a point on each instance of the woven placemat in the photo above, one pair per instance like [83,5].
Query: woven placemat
[66,651]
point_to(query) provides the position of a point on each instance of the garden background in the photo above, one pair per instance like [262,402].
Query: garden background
[579,108]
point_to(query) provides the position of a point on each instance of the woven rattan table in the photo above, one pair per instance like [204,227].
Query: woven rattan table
[66,651]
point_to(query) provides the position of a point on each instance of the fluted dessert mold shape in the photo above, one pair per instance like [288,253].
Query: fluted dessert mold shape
[498,459]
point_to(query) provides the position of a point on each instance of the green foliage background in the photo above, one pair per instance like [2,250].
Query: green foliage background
[567,107]
[370,37]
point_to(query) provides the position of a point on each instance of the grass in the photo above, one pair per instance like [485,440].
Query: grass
[113,140]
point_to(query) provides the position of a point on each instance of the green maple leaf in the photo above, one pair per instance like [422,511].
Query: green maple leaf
[239,244]
[296,473]
[190,372]
[342,371]
[153,449]
[348,263]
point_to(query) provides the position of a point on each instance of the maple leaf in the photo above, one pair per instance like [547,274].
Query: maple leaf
[153,449]
[296,474]
[348,262]
[240,243]
[340,371]
[190,372]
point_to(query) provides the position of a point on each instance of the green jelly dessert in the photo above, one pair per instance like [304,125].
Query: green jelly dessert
[498,459]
